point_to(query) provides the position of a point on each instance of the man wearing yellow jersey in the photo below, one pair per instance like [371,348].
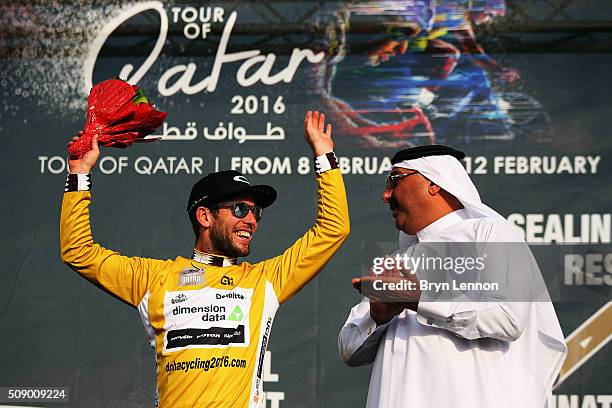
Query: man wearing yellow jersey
[209,318]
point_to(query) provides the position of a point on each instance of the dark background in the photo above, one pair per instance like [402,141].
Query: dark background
[57,329]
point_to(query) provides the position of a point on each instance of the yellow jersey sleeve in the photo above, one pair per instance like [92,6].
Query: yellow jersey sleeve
[127,278]
[292,270]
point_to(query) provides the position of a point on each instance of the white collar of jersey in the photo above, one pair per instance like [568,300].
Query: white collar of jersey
[214,260]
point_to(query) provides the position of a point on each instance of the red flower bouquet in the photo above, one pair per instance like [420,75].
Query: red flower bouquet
[120,114]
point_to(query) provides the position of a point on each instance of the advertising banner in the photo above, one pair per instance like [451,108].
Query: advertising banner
[523,88]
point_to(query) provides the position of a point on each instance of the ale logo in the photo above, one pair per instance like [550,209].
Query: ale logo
[236,314]
[226,280]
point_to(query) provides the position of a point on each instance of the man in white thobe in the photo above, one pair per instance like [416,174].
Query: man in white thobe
[452,353]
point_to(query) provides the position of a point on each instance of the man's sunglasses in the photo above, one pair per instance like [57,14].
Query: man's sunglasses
[240,209]
[393,179]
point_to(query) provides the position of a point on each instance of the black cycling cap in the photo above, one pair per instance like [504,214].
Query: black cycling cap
[222,185]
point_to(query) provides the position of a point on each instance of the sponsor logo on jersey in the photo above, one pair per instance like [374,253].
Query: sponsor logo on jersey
[264,346]
[213,336]
[230,295]
[207,318]
[227,281]
[179,298]
[191,277]
[262,355]
[236,314]
[178,310]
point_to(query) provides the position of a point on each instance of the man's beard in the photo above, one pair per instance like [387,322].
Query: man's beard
[393,204]
[222,243]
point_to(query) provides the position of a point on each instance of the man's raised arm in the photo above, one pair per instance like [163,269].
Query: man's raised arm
[125,278]
[301,262]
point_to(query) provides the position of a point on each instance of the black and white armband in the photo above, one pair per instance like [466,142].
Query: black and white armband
[78,182]
[325,162]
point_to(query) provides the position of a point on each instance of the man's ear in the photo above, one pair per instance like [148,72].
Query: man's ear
[433,188]
[204,217]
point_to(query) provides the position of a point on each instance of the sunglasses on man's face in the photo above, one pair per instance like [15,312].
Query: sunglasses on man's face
[240,209]
[393,179]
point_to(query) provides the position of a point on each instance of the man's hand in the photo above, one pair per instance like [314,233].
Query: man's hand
[382,312]
[320,142]
[384,304]
[85,164]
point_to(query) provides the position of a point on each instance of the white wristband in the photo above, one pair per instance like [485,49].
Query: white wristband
[326,162]
[78,182]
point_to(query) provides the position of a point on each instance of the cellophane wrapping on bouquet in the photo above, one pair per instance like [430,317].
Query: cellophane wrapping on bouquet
[120,114]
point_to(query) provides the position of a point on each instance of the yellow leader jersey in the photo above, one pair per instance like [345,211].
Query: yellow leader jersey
[209,325]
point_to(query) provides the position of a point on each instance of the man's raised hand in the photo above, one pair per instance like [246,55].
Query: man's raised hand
[85,164]
[315,133]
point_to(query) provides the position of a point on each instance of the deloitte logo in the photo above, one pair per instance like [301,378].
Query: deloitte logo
[236,314]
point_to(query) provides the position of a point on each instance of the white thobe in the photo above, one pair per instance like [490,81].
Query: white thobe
[465,354]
